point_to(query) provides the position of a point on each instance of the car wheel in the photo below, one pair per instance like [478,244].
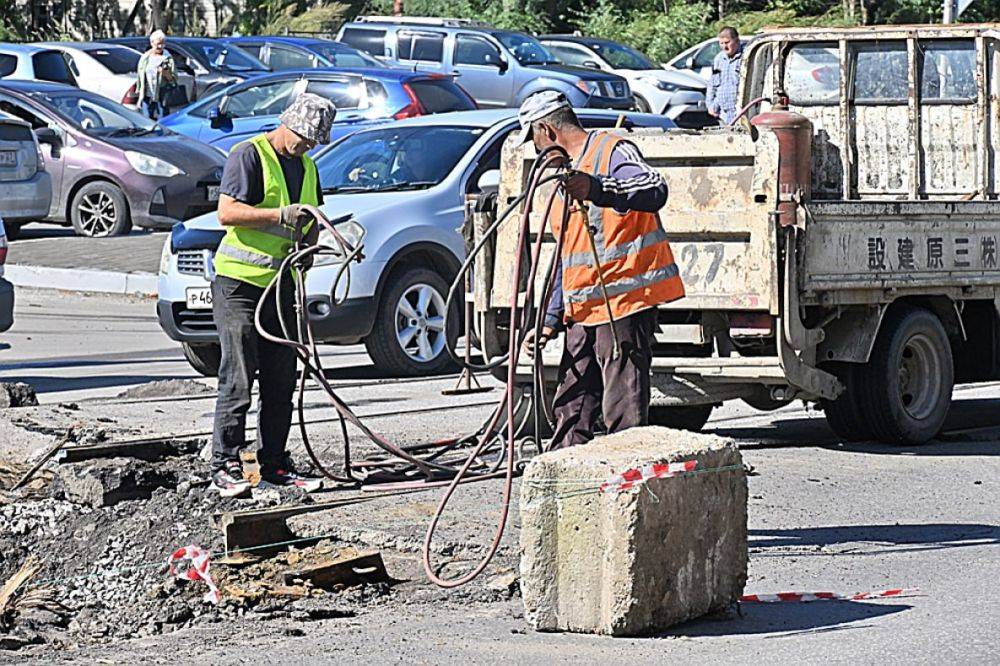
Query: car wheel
[409,336]
[688,417]
[204,358]
[99,209]
[13,230]
[641,105]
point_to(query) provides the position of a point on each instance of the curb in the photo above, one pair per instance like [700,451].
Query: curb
[73,279]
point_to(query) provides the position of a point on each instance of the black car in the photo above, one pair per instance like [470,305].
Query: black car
[212,63]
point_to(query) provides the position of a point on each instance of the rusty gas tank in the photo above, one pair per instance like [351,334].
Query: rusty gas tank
[794,133]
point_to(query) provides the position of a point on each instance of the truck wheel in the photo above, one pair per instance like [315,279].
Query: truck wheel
[409,337]
[99,209]
[845,414]
[688,417]
[908,380]
[204,358]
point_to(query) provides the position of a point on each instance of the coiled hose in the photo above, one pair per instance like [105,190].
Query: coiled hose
[433,467]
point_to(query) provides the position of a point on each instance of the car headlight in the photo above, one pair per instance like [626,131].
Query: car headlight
[659,83]
[589,87]
[352,232]
[148,165]
[165,258]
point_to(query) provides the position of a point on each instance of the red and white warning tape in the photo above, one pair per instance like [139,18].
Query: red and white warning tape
[196,570]
[824,596]
[634,477]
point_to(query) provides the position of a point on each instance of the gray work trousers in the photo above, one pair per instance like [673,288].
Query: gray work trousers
[591,383]
[245,354]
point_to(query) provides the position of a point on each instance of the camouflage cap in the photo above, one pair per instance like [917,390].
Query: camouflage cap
[310,116]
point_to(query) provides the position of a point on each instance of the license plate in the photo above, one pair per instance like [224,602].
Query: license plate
[199,298]
[8,158]
[213,192]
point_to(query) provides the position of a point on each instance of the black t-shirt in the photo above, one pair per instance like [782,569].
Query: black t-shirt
[243,176]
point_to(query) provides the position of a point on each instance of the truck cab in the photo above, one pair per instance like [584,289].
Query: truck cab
[838,243]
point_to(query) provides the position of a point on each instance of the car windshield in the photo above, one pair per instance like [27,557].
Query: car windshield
[227,56]
[527,49]
[97,115]
[343,57]
[623,57]
[400,158]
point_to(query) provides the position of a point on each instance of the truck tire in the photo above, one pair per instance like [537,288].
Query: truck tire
[688,417]
[845,415]
[99,209]
[908,380]
[393,345]
[204,358]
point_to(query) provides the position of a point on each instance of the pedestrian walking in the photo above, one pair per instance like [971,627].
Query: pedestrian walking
[156,77]
[265,183]
[615,197]
[724,84]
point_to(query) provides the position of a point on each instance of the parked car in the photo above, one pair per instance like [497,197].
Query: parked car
[698,59]
[25,186]
[362,96]
[404,183]
[30,62]
[281,53]
[6,288]
[499,68]
[112,167]
[679,95]
[212,64]
[109,69]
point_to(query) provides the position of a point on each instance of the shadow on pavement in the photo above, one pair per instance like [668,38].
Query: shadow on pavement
[798,432]
[59,384]
[36,230]
[789,617]
[905,538]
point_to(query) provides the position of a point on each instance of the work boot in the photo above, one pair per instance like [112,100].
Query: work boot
[229,479]
[287,477]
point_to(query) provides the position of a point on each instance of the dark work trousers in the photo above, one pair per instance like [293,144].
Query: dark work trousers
[593,383]
[246,354]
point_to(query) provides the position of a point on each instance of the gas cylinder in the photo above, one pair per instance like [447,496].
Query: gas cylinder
[794,132]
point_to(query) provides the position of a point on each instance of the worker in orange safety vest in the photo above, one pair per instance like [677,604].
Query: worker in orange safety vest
[616,267]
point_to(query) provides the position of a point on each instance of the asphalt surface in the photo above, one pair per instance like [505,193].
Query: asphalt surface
[823,516]
[55,246]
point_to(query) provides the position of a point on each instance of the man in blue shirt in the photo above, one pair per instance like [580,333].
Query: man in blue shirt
[724,84]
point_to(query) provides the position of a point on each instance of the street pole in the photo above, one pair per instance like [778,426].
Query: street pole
[949,11]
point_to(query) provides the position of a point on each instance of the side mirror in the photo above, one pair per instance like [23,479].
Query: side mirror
[49,135]
[689,62]
[186,68]
[489,181]
[591,64]
[217,114]
[503,65]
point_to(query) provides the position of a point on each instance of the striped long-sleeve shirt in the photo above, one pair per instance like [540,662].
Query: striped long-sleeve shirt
[630,185]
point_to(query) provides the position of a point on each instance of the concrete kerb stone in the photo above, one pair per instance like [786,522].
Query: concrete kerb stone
[73,279]
[639,561]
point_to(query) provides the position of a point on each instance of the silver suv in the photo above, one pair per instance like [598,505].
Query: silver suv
[499,68]
[25,186]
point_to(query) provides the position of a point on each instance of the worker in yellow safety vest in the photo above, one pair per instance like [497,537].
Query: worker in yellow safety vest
[265,183]
[616,267]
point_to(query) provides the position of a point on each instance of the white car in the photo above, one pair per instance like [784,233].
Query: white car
[699,58]
[678,95]
[108,69]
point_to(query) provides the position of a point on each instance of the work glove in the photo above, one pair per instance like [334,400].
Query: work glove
[294,217]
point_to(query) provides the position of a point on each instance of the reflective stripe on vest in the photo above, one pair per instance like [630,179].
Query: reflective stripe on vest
[635,258]
[254,254]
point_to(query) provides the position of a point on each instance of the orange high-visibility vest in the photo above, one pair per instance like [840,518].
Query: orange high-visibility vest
[636,261]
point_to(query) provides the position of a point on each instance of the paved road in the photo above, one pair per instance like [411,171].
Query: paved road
[58,247]
[823,515]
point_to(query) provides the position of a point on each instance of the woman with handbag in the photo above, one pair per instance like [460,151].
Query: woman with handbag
[157,77]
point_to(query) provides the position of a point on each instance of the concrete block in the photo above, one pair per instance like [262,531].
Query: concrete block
[639,561]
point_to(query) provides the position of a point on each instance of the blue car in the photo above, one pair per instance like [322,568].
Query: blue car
[281,53]
[363,96]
